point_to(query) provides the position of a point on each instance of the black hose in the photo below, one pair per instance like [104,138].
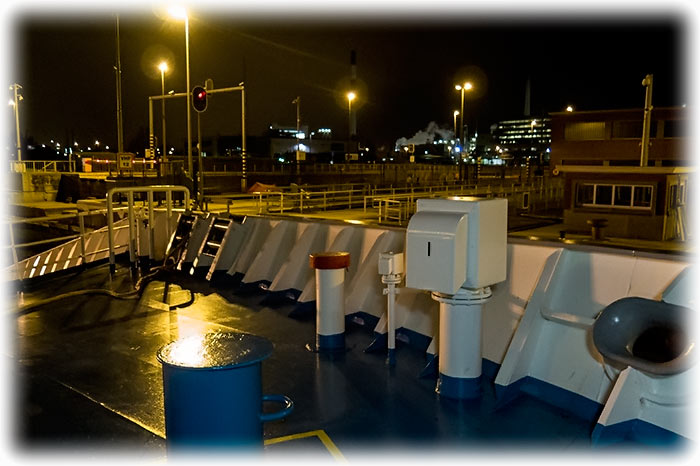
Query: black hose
[139,287]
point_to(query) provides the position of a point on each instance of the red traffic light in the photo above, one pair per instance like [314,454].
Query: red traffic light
[199,98]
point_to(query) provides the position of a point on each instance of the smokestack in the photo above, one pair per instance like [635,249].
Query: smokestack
[353,88]
[527,98]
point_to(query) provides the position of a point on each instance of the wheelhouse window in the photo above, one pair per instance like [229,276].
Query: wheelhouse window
[622,196]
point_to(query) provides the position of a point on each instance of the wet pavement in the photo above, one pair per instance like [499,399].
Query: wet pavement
[88,379]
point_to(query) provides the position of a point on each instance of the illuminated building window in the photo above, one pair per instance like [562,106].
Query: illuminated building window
[614,196]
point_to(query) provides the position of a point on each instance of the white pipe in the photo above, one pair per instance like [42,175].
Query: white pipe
[130,192]
[391,280]
[459,353]
[391,296]
[151,228]
[132,233]
[330,300]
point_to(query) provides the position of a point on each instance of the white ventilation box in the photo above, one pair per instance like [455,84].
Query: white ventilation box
[458,242]
[390,263]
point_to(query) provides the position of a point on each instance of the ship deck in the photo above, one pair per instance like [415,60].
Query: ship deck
[88,381]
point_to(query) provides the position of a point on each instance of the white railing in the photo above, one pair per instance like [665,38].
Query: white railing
[43,166]
[49,220]
[148,190]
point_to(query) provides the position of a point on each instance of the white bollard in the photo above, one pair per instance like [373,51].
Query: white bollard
[330,299]
[460,360]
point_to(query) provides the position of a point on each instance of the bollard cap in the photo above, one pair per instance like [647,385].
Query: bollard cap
[329,260]
[220,350]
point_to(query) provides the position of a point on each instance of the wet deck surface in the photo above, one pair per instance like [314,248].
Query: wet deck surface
[89,380]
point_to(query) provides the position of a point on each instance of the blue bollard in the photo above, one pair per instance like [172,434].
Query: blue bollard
[212,391]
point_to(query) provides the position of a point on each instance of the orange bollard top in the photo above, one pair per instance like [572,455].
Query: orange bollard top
[329,260]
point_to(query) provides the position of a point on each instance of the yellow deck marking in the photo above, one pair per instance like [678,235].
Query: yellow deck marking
[322,436]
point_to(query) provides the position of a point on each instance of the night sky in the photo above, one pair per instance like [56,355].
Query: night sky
[407,68]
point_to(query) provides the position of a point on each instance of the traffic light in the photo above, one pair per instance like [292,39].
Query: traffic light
[199,98]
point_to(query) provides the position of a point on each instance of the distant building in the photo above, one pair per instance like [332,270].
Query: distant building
[613,137]
[599,153]
[518,141]
[316,146]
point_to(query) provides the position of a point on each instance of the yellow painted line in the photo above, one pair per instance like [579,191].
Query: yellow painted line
[331,447]
[322,436]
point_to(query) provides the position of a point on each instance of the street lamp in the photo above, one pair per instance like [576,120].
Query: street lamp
[15,104]
[569,108]
[163,67]
[351,96]
[462,87]
[181,14]
[454,116]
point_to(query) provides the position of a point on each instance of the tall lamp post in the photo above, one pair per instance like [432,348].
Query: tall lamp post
[297,101]
[462,87]
[454,117]
[181,13]
[351,96]
[163,67]
[15,104]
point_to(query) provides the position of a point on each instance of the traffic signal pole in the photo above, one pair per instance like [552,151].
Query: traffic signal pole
[240,87]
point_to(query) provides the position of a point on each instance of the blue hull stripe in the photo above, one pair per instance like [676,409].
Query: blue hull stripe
[458,388]
[330,342]
[635,431]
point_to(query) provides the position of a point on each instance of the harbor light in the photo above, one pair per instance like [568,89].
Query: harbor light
[462,87]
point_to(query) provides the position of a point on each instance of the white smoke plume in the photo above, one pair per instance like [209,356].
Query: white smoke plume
[431,133]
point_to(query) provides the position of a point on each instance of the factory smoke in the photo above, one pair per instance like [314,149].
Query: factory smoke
[431,133]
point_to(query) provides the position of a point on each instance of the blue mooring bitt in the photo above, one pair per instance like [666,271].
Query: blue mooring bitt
[212,391]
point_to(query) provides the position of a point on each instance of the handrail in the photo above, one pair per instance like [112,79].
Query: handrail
[82,233]
[149,190]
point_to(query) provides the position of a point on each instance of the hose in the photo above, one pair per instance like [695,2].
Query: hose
[139,287]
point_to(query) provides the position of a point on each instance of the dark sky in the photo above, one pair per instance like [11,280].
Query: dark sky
[408,68]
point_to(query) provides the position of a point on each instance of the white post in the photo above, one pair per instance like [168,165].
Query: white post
[110,231]
[460,343]
[391,268]
[132,233]
[330,299]
[151,228]
[648,82]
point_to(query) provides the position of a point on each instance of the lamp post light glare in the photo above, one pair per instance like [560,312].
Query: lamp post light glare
[569,108]
[180,13]
[351,96]
[15,105]
[462,87]
[454,117]
[163,67]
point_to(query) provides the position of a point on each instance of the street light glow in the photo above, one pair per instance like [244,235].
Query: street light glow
[177,12]
[569,108]
[455,113]
[163,67]
[351,96]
